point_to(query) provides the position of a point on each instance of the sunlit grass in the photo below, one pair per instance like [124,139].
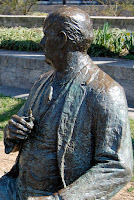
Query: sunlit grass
[131,189]
[8,107]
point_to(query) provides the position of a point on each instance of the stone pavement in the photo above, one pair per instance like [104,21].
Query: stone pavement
[14,92]
[23,93]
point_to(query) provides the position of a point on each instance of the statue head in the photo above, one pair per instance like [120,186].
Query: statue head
[67,30]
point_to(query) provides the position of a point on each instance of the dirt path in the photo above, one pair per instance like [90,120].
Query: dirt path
[7,161]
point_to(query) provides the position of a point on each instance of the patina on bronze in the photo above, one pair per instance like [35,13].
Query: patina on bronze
[72,134]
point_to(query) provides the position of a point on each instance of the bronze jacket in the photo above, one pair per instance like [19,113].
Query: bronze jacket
[94,149]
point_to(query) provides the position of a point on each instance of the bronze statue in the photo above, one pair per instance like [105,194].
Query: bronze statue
[72,134]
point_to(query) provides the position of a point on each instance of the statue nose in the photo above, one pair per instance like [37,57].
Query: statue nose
[42,42]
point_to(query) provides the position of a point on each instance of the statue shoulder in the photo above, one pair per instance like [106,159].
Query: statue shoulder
[102,88]
[100,81]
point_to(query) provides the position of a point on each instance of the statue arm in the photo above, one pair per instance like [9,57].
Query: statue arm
[112,167]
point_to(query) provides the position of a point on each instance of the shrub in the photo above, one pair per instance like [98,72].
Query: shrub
[111,42]
[20,39]
[15,7]
[117,7]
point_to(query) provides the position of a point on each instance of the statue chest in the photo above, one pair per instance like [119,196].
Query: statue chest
[38,167]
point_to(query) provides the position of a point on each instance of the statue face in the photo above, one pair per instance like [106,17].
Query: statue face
[51,44]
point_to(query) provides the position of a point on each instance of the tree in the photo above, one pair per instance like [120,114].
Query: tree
[117,7]
[16,6]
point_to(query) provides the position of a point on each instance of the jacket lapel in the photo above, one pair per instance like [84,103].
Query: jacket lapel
[70,110]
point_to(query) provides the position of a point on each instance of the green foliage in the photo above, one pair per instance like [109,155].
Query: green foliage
[130,189]
[16,6]
[132,135]
[8,107]
[110,42]
[117,7]
[129,57]
[132,127]
[132,130]
[21,39]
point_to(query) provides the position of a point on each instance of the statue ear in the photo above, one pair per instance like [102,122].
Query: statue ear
[63,38]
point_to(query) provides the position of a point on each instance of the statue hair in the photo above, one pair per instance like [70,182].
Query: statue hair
[79,33]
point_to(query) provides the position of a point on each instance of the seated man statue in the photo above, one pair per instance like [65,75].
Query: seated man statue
[72,134]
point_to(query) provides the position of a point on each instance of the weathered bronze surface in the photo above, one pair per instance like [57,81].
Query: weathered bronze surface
[72,134]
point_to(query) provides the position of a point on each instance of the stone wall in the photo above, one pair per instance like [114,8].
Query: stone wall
[37,21]
[20,69]
[93,10]
[21,20]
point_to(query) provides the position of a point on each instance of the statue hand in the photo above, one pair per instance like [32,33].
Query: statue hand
[19,128]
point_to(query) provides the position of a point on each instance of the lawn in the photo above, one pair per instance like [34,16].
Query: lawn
[8,107]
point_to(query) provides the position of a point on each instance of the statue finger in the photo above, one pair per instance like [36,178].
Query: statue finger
[22,121]
[17,136]
[17,131]
[19,126]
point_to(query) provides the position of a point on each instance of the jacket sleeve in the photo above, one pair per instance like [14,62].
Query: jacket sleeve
[113,159]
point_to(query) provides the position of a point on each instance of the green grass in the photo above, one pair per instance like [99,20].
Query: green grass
[132,134]
[130,189]
[8,107]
